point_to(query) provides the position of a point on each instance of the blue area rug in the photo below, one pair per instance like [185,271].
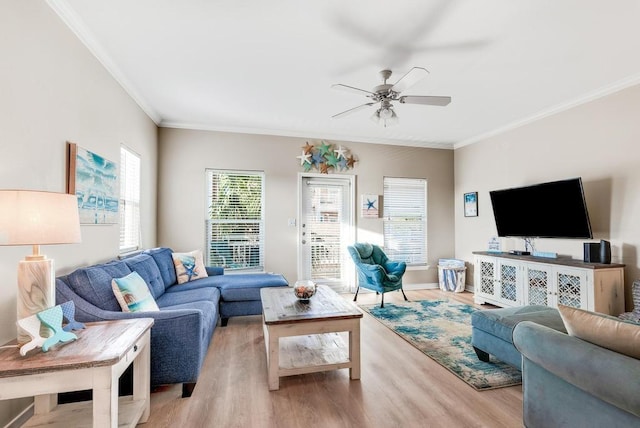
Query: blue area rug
[441,329]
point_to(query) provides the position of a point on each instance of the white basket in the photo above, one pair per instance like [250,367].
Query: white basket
[452,278]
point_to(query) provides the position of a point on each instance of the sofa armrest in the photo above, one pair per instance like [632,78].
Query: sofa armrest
[173,332]
[214,270]
[603,373]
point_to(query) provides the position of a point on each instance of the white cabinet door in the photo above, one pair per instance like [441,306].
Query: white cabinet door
[538,284]
[570,288]
[486,270]
[499,281]
[509,280]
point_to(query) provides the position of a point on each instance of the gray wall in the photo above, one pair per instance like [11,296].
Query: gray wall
[185,154]
[52,91]
[597,141]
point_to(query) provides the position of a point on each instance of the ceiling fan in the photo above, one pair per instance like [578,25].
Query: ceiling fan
[387,93]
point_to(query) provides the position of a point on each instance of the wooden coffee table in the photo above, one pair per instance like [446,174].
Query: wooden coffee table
[309,331]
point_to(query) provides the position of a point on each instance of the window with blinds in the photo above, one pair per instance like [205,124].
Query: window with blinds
[405,219]
[235,219]
[129,200]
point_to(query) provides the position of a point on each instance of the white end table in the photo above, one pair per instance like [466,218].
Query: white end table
[95,361]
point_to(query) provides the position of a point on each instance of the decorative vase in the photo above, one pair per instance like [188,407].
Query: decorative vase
[304,289]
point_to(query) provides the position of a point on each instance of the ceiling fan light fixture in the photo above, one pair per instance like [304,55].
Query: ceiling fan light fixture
[386,93]
[385,116]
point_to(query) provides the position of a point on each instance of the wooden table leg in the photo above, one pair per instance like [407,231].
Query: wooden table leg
[105,399]
[142,377]
[44,403]
[354,350]
[273,357]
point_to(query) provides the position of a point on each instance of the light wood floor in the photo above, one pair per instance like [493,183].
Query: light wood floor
[400,386]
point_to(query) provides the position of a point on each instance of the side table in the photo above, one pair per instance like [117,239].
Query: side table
[95,361]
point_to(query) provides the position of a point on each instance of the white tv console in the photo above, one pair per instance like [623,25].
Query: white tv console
[504,279]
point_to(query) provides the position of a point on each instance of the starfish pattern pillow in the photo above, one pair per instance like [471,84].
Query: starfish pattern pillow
[189,266]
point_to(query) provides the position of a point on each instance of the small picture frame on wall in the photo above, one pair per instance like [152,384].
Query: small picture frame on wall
[370,206]
[471,204]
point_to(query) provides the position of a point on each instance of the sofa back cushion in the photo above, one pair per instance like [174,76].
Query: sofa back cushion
[93,283]
[163,259]
[147,268]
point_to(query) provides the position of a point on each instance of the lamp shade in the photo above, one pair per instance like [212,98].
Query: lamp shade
[30,217]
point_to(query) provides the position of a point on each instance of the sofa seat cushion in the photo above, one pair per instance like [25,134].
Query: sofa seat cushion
[163,259]
[93,283]
[209,294]
[501,322]
[243,287]
[147,268]
[208,282]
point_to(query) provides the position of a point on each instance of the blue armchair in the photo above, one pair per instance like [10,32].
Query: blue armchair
[375,270]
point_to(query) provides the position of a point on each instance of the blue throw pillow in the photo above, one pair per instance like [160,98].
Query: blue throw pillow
[133,294]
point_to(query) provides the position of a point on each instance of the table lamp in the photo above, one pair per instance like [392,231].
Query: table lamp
[37,218]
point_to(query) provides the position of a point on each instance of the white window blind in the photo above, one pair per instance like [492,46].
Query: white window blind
[405,219]
[129,200]
[235,219]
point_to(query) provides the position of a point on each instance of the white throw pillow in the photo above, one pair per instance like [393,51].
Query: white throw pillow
[133,294]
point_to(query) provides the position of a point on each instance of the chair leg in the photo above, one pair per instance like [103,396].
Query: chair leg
[404,295]
[382,300]
[356,296]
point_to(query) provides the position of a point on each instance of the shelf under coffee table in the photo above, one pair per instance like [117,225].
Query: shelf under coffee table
[310,333]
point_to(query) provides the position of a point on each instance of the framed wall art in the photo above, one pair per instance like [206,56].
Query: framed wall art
[471,204]
[94,181]
[370,206]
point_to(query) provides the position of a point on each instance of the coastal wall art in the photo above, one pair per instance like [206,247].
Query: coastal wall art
[94,181]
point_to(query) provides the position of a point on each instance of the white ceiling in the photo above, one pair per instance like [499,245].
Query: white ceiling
[267,66]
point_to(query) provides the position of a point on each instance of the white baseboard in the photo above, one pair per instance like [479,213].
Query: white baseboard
[423,286]
[431,286]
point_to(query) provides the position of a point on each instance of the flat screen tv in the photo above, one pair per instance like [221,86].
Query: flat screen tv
[546,210]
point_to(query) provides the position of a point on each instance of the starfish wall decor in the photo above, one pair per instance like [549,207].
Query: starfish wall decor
[325,157]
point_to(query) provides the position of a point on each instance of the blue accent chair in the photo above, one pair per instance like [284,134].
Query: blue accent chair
[375,271]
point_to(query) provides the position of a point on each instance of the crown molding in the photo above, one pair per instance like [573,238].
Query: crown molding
[77,26]
[305,134]
[590,96]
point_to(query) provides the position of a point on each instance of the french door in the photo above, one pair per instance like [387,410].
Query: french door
[325,228]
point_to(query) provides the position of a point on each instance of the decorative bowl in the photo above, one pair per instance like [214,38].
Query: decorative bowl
[304,289]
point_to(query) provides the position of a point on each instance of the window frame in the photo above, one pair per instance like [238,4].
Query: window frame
[209,222]
[129,158]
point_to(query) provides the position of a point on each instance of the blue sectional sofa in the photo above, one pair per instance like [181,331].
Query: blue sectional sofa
[188,312]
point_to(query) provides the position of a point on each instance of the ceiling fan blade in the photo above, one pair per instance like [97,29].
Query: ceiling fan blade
[342,87]
[426,100]
[351,110]
[412,77]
